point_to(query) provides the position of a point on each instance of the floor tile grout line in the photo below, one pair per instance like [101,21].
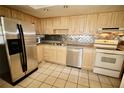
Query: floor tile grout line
[68,77]
[88,79]
[99,80]
[111,82]
[28,84]
[58,76]
[47,77]
[78,79]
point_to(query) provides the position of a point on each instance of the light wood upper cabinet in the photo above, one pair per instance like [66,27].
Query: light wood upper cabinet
[47,25]
[104,20]
[38,26]
[77,24]
[112,19]
[17,15]
[5,12]
[74,25]
[82,23]
[64,23]
[91,24]
[60,22]
[120,19]
[56,23]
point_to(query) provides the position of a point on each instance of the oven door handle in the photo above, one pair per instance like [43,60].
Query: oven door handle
[108,53]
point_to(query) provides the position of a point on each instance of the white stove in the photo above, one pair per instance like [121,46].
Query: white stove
[106,44]
[108,60]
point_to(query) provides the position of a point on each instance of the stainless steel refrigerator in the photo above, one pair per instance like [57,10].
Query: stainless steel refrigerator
[18,57]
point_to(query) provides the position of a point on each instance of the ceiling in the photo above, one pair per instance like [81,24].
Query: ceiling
[44,11]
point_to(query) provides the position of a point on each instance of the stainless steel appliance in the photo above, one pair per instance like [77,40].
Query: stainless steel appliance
[74,57]
[109,61]
[18,56]
[40,39]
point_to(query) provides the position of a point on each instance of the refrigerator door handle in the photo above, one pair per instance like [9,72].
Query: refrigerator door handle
[24,48]
[21,54]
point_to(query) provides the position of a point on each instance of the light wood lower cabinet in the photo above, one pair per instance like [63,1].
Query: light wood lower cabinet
[61,55]
[40,53]
[56,54]
[88,58]
[49,53]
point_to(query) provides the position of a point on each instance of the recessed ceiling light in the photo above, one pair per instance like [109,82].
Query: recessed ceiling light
[65,6]
[40,6]
[45,9]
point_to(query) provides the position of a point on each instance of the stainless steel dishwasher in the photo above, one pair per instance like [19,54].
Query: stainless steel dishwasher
[74,57]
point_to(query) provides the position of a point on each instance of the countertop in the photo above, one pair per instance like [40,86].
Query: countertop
[69,45]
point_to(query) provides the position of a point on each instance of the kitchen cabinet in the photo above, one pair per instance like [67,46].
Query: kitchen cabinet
[88,57]
[120,19]
[64,23]
[60,22]
[91,24]
[74,25]
[47,25]
[77,24]
[61,55]
[5,12]
[37,24]
[49,53]
[17,15]
[104,20]
[111,19]
[55,54]
[57,23]
[40,53]
[82,24]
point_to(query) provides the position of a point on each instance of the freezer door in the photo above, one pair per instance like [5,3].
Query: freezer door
[30,45]
[9,27]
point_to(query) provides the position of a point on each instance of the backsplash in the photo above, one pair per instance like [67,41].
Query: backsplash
[79,39]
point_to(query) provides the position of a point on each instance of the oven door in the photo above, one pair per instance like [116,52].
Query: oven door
[109,61]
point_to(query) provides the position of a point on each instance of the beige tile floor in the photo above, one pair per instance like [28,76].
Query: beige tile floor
[51,75]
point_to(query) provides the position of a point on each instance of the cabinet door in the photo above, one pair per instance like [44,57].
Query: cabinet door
[61,55]
[50,53]
[104,20]
[48,26]
[56,22]
[64,23]
[88,58]
[39,53]
[82,24]
[91,24]
[17,15]
[38,26]
[121,19]
[5,12]
[114,19]
[74,25]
